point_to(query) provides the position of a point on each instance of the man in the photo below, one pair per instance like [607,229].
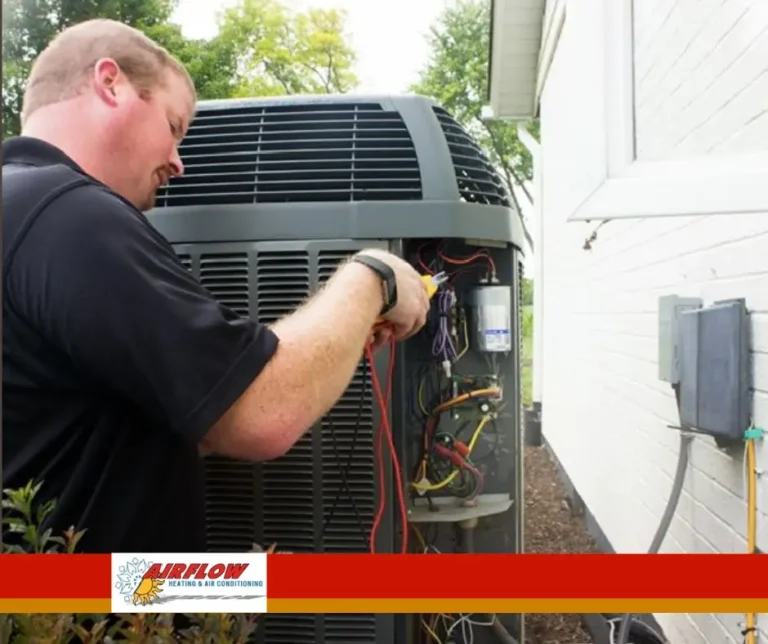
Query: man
[119,368]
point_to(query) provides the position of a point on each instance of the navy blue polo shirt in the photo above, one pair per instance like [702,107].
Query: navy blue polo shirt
[116,361]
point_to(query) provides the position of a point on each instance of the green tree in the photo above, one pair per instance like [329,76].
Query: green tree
[29,25]
[261,49]
[457,77]
[527,292]
[280,53]
[210,63]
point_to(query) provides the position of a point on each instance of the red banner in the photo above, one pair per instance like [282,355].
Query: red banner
[317,583]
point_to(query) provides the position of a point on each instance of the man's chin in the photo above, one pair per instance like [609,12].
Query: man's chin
[148,203]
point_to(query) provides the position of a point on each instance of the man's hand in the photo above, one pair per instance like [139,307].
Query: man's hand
[379,338]
[410,312]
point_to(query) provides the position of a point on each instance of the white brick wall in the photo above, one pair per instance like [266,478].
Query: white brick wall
[701,77]
[605,411]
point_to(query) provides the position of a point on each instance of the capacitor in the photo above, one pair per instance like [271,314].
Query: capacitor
[491,315]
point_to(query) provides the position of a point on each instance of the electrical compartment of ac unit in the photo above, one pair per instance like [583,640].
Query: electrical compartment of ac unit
[463,426]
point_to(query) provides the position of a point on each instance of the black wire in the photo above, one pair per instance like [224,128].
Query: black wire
[345,470]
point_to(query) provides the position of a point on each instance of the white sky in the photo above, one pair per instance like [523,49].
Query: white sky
[391,48]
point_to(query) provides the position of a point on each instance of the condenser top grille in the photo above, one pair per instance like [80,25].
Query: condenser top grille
[293,152]
[478,181]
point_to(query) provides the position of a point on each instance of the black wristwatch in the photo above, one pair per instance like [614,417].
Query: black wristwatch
[387,275]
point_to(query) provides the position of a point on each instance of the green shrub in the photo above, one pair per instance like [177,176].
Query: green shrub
[24,516]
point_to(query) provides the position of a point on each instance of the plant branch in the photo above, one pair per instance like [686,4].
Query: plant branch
[508,174]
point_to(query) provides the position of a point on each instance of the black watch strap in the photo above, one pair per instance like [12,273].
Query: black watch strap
[387,275]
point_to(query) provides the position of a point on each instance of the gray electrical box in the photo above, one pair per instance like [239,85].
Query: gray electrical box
[670,308]
[714,369]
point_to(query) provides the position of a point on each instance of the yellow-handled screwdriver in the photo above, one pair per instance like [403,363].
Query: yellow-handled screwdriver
[433,283]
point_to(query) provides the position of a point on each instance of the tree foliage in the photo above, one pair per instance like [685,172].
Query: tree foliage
[527,294]
[260,49]
[210,63]
[279,53]
[457,77]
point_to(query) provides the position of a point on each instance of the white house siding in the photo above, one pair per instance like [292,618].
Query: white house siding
[701,74]
[604,410]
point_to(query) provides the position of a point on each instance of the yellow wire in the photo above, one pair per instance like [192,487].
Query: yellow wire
[421,397]
[751,522]
[489,391]
[431,633]
[449,479]
[420,537]
[751,497]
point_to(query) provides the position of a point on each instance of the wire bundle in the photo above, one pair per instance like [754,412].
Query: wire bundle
[466,264]
[443,347]
[447,463]
[448,624]
[464,622]
[447,459]
[386,430]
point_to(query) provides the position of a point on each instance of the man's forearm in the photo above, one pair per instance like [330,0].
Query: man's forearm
[320,346]
[323,341]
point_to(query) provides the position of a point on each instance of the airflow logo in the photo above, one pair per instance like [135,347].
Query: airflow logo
[190,583]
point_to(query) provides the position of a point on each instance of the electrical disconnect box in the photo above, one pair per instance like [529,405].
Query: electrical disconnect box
[714,369]
[670,309]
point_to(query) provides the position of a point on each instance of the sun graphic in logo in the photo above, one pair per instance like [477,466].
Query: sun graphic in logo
[134,587]
[148,590]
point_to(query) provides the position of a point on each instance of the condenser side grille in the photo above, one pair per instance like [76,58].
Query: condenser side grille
[349,479]
[230,484]
[230,490]
[478,181]
[299,501]
[186,261]
[226,278]
[290,629]
[349,629]
[349,483]
[295,153]
[282,284]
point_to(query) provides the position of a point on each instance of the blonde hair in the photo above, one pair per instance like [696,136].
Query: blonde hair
[62,68]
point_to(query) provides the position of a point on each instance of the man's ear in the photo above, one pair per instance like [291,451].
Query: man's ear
[106,80]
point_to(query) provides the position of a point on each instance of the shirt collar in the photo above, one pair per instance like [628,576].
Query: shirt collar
[32,151]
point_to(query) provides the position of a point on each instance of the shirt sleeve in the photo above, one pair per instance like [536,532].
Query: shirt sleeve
[101,285]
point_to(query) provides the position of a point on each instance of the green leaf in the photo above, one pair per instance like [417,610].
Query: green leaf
[17,526]
[45,509]
[31,536]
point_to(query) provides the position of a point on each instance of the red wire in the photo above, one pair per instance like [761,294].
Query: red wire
[378,447]
[421,261]
[468,260]
[384,428]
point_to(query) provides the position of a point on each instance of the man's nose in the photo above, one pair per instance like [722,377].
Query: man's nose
[177,167]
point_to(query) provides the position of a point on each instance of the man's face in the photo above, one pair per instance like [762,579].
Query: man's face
[144,135]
